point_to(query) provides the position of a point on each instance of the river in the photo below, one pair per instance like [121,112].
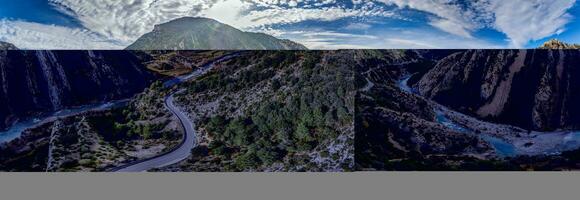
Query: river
[16,129]
[525,143]
[502,147]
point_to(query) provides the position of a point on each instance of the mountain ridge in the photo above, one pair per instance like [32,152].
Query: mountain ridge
[197,33]
[557,44]
[7,46]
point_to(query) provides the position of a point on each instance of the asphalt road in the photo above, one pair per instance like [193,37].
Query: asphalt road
[188,142]
[172,157]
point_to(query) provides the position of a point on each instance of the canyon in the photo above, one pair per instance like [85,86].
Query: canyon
[468,110]
[532,89]
[38,82]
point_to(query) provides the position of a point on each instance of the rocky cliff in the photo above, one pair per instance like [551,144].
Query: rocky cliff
[35,82]
[533,89]
[556,44]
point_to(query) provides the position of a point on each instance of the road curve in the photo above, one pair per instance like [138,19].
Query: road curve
[174,156]
[183,150]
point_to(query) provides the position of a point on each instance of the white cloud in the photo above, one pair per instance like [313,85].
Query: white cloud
[123,21]
[357,26]
[408,44]
[520,20]
[228,11]
[451,16]
[126,20]
[452,28]
[292,3]
[523,21]
[27,35]
[338,35]
[278,3]
[320,39]
[251,19]
[404,39]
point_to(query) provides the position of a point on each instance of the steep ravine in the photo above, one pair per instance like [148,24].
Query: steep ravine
[532,89]
[38,82]
[424,116]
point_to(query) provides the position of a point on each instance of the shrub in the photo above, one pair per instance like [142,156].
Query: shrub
[247,161]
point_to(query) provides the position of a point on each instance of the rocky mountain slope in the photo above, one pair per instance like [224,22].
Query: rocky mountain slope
[175,63]
[273,111]
[254,111]
[556,44]
[7,46]
[202,33]
[406,112]
[35,82]
[95,140]
[396,130]
[532,89]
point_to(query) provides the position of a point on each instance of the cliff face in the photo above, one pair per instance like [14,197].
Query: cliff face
[33,82]
[533,89]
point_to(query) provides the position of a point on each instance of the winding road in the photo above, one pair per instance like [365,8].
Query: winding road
[183,150]
[174,156]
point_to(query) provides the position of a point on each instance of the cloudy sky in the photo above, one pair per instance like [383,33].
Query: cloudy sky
[318,24]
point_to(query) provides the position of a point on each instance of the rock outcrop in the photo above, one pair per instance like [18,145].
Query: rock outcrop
[556,44]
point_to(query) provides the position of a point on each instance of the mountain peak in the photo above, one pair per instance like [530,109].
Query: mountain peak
[557,44]
[7,46]
[180,22]
[199,33]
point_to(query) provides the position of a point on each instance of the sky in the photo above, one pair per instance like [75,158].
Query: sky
[318,24]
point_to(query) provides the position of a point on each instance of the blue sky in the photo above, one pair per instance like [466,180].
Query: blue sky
[318,24]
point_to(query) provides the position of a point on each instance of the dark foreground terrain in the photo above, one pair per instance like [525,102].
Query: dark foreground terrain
[118,110]
[339,110]
[468,110]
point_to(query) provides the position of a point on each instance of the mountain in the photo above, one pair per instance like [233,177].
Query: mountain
[36,82]
[556,44]
[532,89]
[7,46]
[190,33]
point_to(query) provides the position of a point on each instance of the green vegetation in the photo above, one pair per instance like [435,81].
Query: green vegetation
[266,65]
[306,105]
[116,126]
[32,161]
[132,123]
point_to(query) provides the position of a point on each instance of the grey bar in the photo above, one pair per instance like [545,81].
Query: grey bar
[292,186]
